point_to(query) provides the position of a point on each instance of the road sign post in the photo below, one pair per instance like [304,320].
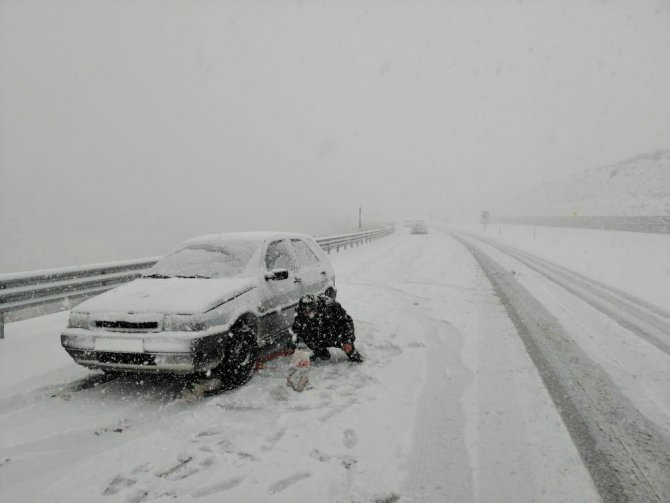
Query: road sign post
[485,218]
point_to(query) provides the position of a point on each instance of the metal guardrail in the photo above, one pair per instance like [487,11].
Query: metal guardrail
[36,288]
[651,224]
[344,240]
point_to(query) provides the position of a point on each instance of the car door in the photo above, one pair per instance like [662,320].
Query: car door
[314,276]
[279,297]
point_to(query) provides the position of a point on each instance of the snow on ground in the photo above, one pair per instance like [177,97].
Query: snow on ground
[31,355]
[634,262]
[638,186]
[447,407]
[640,370]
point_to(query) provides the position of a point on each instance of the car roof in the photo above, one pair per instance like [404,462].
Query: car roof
[260,236]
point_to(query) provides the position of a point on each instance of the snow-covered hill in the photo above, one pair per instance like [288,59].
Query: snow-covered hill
[636,187]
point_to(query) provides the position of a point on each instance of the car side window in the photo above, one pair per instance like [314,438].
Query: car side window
[279,256]
[304,254]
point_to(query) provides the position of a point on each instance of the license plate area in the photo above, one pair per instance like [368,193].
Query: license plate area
[119,345]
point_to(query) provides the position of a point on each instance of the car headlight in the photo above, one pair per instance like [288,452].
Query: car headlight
[78,320]
[77,341]
[177,323]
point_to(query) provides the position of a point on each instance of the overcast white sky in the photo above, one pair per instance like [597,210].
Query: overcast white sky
[126,126]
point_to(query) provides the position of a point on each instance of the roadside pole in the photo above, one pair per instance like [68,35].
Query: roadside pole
[485,218]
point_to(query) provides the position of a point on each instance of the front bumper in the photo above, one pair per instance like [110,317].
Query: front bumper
[173,352]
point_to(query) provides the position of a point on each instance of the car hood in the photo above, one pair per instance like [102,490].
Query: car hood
[169,295]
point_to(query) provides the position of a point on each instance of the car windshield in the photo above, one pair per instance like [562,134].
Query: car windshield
[225,260]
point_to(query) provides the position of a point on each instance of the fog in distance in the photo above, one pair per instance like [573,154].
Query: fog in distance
[126,127]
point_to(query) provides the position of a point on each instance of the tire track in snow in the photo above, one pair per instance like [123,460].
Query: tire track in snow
[624,452]
[439,467]
[645,320]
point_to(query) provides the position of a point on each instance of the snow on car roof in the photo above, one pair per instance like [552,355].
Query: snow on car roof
[244,236]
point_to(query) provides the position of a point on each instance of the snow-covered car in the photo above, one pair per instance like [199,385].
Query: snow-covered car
[211,305]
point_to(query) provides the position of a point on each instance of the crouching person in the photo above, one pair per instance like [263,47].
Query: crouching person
[322,323]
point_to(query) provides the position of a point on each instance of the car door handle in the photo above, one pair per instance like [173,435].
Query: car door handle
[297,279]
[323,273]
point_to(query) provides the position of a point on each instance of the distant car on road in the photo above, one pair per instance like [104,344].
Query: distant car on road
[419,227]
[211,305]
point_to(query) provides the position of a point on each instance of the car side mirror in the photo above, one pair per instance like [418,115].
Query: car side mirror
[276,274]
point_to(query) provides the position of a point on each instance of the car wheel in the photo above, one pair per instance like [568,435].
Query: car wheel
[239,359]
[330,292]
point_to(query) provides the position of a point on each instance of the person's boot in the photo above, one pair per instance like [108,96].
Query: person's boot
[319,354]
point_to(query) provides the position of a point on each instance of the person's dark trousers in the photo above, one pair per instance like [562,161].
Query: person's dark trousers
[319,354]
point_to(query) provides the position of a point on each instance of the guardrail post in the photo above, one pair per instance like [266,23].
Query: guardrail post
[2,325]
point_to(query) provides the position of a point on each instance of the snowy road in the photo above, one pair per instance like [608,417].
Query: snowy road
[640,317]
[449,406]
[626,453]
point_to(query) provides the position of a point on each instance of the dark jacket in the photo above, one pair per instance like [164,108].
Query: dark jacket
[331,327]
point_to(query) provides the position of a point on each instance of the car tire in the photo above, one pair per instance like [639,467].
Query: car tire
[240,354]
[330,292]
